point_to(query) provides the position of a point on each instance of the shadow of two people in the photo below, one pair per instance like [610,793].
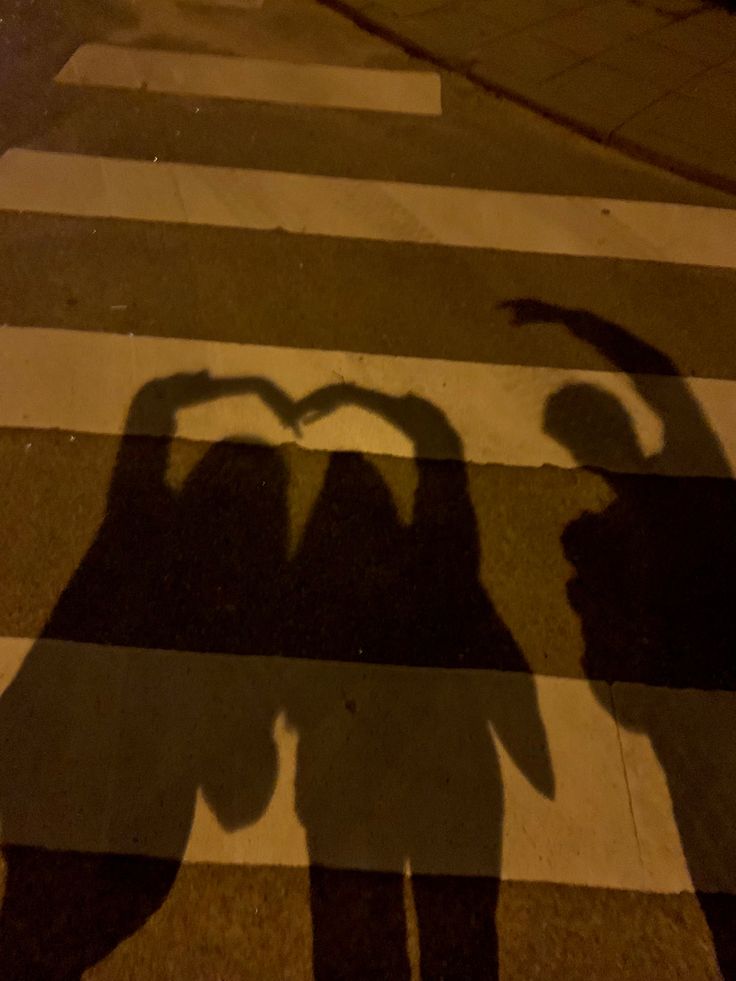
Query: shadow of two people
[207,569]
[121,742]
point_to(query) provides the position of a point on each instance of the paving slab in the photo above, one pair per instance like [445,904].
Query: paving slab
[604,98]
[700,137]
[656,79]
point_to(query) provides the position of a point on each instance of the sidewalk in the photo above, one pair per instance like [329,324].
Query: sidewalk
[656,78]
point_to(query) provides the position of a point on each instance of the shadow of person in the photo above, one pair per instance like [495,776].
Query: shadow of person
[403,773]
[653,587]
[103,747]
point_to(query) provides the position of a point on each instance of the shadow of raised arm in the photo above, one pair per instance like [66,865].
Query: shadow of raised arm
[153,413]
[688,437]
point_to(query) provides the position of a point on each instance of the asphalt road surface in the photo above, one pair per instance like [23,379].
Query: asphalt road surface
[368,531]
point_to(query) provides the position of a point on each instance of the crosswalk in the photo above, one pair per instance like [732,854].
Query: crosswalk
[420,694]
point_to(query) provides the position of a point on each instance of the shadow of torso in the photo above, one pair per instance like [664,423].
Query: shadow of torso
[104,739]
[375,590]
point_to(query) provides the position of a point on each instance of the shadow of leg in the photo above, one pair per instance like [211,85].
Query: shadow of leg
[457,928]
[63,911]
[358,926]
[720,914]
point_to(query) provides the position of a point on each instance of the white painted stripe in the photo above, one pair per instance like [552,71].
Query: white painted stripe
[226,77]
[85,381]
[381,210]
[109,765]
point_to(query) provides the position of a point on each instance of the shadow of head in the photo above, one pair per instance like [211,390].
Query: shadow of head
[248,472]
[594,426]
[233,526]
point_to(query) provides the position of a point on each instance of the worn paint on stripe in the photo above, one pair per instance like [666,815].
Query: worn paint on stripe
[85,381]
[225,77]
[74,184]
[113,767]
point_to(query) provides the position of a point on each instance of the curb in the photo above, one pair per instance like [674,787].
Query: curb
[631,147]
